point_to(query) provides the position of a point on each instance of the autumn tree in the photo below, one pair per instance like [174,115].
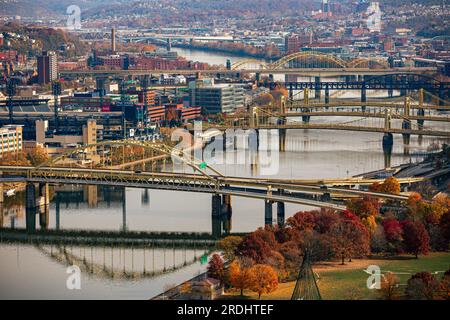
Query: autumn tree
[393,233]
[14,159]
[422,286]
[263,279]
[367,209]
[390,286]
[390,185]
[239,275]
[228,245]
[38,156]
[264,99]
[349,237]
[415,238]
[378,242]
[216,268]
[255,248]
[444,286]
[444,226]
[419,210]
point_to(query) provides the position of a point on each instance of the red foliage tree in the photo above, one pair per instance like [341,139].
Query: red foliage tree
[392,229]
[349,237]
[364,207]
[255,248]
[444,226]
[415,238]
[216,268]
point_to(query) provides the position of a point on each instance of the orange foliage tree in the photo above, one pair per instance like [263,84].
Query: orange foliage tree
[390,185]
[263,279]
[367,209]
[38,156]
[239,276]
[14,159]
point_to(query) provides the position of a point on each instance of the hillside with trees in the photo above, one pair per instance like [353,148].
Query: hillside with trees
[31,40]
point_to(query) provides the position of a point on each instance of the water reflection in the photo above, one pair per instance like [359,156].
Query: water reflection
[123,262]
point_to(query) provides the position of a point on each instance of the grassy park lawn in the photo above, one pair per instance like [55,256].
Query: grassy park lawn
[338,282]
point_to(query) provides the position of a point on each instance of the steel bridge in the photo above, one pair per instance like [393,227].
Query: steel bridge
[313,72]
[233,186]
[94,165]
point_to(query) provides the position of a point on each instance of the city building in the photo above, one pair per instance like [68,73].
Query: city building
[11,139]
[47,67]
[87,101]
[59,143]
[219,98]
[292,44]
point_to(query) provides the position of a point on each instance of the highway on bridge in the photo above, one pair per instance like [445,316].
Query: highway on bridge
[305,192]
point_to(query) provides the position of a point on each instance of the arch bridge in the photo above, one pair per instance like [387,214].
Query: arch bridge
[313,60]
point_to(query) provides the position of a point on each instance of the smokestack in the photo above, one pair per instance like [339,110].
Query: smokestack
[113,40]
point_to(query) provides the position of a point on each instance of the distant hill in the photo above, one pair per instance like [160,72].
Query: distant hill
[49,8]
[33,40]
[53,8]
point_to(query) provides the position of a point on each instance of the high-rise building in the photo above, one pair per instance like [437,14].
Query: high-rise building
[215,99]
[291,44]
[325,6]
[47,67]
[11,140]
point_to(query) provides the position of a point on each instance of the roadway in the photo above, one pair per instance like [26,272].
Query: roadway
[332,126]
[362,114]
[304,192]
[357,104]
[313,72]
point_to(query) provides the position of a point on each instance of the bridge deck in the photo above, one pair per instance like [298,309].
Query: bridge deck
[292,190]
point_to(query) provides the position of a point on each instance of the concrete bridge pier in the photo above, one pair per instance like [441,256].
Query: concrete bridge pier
[268,212]
[281,209]
[30,207]
[388,142]
[257,139]
[420,122]
[306,119]
[282,139]
[327,96]
[390,92]
[216,215]
[227,209]
[43,205]
[216,209]
[227,213]
[57,213]
[317,88]
[363,98]
[406,125]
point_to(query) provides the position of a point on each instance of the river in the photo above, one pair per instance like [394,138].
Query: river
[30,271]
